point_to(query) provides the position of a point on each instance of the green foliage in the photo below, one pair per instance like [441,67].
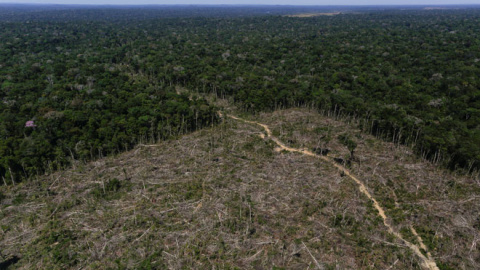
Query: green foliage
[113,185]
[58,242]
[429,237]
[191,190]
[19,199]
[94,93]
[109,190]
[194,190]
[343,221]
[310,208]
[443,266]
[53,245]
[348,142]
[152,262]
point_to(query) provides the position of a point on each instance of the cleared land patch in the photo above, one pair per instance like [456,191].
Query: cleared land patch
[223,197]
[426,261]
[307,15]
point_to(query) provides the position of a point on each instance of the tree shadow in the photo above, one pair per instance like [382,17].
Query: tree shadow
[8,262]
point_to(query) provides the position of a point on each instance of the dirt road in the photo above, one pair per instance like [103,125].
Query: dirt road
[427,262]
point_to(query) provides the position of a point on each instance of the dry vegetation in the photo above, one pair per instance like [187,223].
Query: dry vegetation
[223,198]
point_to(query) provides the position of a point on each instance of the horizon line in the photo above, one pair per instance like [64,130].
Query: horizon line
[273,5]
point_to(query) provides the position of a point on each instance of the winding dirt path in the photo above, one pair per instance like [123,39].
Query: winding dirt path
[427,262]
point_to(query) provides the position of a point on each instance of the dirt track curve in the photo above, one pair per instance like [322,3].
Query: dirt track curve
[427,262]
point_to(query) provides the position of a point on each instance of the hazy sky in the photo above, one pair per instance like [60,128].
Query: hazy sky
[246,2]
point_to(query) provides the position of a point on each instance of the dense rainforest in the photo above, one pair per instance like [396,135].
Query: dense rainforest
[77,83]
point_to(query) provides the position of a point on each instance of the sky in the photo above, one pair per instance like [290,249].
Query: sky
[249,2]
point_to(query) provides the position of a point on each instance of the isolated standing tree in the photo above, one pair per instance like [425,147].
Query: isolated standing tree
[349,143]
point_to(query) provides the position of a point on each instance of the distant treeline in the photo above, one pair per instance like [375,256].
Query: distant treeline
[94,87]
[128,14]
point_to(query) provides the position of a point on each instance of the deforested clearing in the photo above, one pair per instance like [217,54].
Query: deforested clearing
[308,15]
[223,197]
